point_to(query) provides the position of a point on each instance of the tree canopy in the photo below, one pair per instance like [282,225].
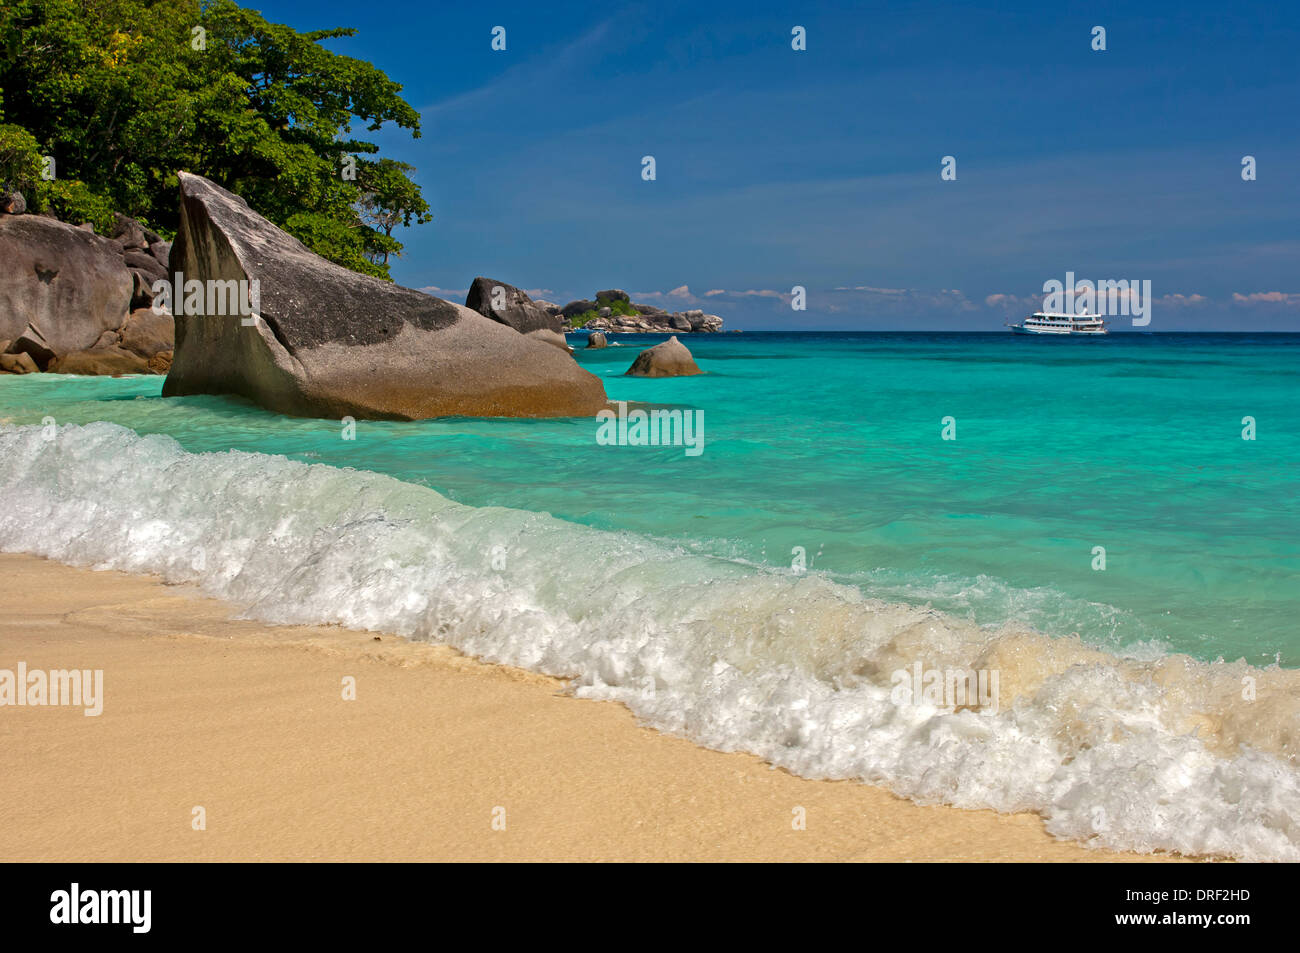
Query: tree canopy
[124,93]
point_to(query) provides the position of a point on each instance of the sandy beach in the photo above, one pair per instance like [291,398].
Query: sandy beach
[249,723]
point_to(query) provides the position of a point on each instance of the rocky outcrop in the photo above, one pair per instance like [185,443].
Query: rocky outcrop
[12,203]
[32,343]
[596,340]
[142,345]
[658,322]
[70,296]
[65,284]
[328,342]
[18,364]
[647,319]
[112,361]
[145,254]
[147,333]
[510,306]
[553,310]
[669,359]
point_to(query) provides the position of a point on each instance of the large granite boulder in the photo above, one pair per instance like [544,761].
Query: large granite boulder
[510,306]
[66,283]
[597,339]
[575,308]
[669,359]
[609,297]
[327,342]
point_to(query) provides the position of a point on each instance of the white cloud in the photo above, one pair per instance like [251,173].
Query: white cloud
[450,294]
[1284,298]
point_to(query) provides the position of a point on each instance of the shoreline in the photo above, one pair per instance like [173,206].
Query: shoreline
[247,721]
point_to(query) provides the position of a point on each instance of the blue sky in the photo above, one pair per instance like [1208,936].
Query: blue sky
[821,168]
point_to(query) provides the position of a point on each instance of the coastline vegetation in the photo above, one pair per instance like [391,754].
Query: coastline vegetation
[615,305]
[102,103]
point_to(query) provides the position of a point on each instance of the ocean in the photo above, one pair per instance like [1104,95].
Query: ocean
[1082,518]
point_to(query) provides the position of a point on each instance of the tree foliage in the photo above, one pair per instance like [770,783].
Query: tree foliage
[124,93]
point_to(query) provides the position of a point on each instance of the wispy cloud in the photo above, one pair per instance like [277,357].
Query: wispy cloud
[449,294]
[521,79]
[1283,298]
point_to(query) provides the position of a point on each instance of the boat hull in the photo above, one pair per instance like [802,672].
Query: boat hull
[1056,332]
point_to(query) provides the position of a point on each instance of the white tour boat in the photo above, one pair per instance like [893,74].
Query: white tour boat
[1050,322]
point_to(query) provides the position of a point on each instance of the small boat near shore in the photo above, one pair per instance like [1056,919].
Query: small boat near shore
[1050,322]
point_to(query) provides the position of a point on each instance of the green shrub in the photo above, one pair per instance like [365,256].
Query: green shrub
[20,161]
[72,201]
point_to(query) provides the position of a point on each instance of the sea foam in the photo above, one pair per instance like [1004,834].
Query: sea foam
[1161,753]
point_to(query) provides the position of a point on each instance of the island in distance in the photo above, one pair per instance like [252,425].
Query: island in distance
[611,311]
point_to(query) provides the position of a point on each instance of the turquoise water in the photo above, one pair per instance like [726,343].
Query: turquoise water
[832,443]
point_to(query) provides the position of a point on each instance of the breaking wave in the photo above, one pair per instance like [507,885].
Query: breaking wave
[1139,753]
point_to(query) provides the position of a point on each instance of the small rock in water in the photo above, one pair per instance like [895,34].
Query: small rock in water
[669,359]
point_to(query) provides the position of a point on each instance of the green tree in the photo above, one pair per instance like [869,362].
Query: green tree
[389,198]
[124,93]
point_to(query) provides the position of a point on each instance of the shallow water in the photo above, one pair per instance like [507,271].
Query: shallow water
[832,443]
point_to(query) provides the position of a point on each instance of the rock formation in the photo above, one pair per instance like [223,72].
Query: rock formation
[67,284]
[510,306]
[669,359]
[327,342]
[648,318]
[69,292]
[18,364]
